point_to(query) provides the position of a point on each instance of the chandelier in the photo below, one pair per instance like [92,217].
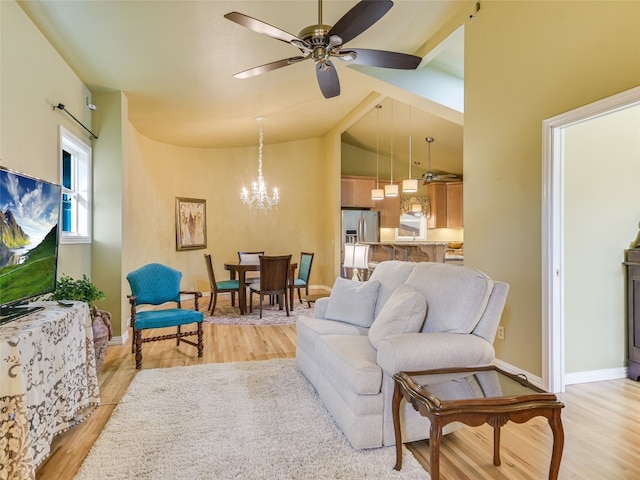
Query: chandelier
[259,199]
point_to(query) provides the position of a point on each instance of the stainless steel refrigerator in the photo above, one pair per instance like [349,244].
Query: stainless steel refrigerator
[360,226]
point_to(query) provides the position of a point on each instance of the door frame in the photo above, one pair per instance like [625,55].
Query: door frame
[553,180]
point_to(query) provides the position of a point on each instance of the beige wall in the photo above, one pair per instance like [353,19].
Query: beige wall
[158,173]
[526,61]
[33,78]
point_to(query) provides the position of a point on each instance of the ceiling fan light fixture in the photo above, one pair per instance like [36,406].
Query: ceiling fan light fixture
[348,55]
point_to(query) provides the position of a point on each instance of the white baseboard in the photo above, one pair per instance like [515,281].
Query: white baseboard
[120,340]
[507,367]
[595,375]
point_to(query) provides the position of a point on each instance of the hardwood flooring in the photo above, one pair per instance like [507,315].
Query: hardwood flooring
[602,438]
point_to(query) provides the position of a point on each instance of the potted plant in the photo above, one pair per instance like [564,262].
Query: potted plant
[83,290]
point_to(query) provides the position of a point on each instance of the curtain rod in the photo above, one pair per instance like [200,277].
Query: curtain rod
[60,106]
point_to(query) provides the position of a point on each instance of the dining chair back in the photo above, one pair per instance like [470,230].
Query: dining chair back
[274,275]
[156,285]
[250,277]
[304,272]
[223,286]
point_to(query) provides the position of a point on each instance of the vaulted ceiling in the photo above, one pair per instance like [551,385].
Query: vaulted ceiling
[175,61]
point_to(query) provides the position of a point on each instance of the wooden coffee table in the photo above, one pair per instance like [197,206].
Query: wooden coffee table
[474,396]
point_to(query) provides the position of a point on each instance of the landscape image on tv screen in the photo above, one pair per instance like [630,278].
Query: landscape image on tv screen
[29,213]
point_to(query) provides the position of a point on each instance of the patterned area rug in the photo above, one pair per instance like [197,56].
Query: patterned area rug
[225,314]
[247,420]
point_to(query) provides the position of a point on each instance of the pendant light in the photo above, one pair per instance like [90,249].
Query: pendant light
[377,193]
[411,184]
[391,190]
[259,199]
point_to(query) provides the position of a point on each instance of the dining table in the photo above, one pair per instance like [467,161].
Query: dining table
[240,270]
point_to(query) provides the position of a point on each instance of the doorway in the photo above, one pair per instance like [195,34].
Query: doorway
[591,210]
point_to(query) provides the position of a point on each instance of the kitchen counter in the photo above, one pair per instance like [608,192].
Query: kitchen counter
[409,251]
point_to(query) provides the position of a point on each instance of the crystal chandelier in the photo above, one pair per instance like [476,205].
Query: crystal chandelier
[259,199]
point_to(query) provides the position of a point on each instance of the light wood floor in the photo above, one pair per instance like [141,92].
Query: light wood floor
[601,420]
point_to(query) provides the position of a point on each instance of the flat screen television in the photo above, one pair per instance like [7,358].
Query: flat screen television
[29,217]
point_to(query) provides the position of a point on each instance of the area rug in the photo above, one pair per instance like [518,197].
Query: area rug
[248,420]
[225,314]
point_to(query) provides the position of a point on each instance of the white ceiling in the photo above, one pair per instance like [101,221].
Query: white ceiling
[175,61]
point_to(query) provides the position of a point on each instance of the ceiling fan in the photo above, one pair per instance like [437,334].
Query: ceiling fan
[322,42]
[429,176]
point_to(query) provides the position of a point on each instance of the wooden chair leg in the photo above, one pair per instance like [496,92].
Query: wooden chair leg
[200,342]
[233,299]
[261,298]
[211,296]
[215,301]
[178,337]
[138,343]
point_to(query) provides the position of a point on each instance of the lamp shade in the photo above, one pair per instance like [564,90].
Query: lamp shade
[361,257]
[377,194]
[391,190]
[349,253]
[410,185]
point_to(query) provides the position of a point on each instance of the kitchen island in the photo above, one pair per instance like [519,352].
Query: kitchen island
[409,251]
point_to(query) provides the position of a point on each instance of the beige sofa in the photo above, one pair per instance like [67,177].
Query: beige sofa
[406,317]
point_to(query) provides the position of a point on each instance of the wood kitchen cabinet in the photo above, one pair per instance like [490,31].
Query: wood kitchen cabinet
[454,205]
[389,210]
[356,192]
[446,201]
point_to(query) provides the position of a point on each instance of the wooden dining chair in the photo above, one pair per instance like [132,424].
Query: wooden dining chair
[302,280]
[223,286]
[274,276]
[250,277]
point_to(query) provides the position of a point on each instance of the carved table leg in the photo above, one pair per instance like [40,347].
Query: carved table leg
[558,443]
[435,438]
[397,397]
[496,445]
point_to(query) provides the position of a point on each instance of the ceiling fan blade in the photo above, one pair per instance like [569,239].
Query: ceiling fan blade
[261,27]
[268,67]
[328,79]
[363,14]
[385,59]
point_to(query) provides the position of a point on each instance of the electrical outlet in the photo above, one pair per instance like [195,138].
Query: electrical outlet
[501,332]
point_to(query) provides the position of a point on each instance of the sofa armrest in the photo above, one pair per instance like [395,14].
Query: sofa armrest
[411,352]
[320,307]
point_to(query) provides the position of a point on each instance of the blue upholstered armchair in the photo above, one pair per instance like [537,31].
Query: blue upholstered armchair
[154,285]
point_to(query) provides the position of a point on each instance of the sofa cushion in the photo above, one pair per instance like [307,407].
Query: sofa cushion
[457,296]
[309,329]
[391,274]
[404,312]
[353,302]
[350,361]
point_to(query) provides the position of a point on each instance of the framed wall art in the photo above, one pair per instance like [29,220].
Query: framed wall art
[191,223]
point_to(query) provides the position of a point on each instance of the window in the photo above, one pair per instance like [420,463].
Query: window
[75,178]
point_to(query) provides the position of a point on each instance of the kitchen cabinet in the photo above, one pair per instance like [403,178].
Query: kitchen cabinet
[356,191]
[454,205]
[446,201]
[389,210]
